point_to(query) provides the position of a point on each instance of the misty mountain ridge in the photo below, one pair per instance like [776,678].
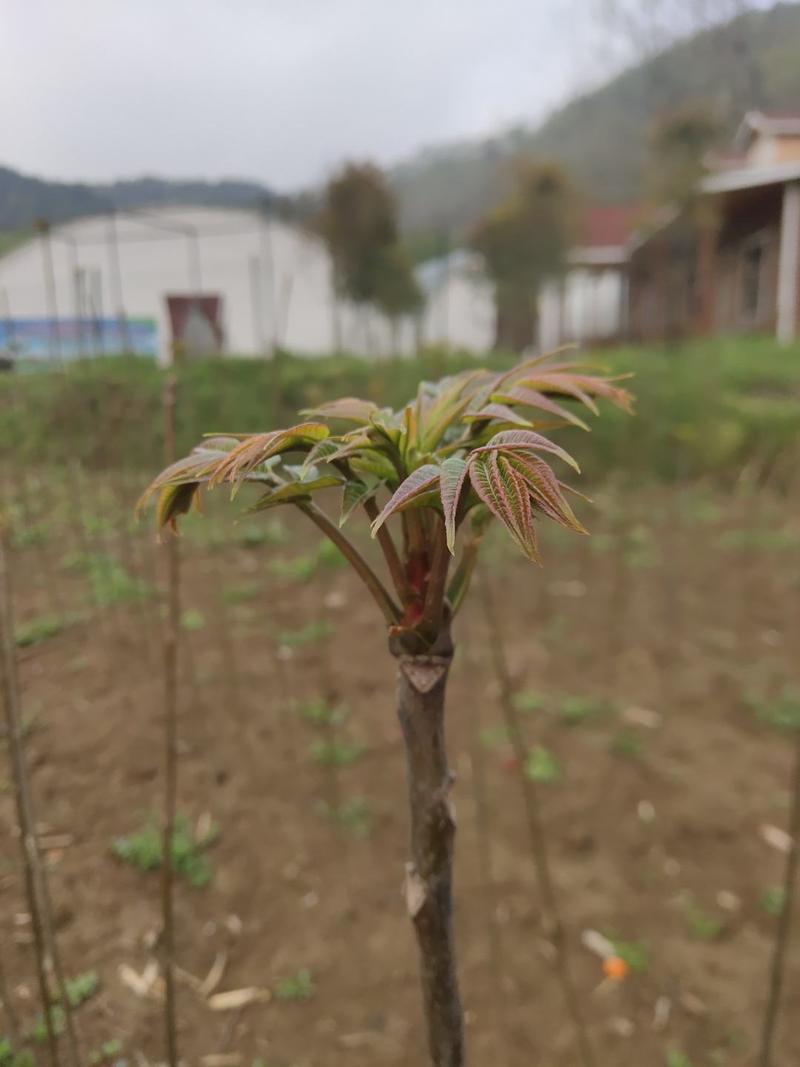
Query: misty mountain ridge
[24,199]
[599,137]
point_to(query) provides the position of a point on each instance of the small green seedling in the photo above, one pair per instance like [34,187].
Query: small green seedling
[773,900]
[530,700]
[192,620]
[335,753]
[10,1058]
[634,953]
[29,537]
[81,988]
[542,766]
[354,815]
[143,850]
[782,712]
[299,986]
[110,583]
[298,569]
[318,713]
[575,710]
[39,629]
[627,743]
[255,534]
[494,736]
[38,1032]
[675,1058]
[701,925]
[306,635]
[105,1053]
[242,593]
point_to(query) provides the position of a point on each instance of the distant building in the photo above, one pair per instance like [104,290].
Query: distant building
[197,281]
[589,305]
[733,266]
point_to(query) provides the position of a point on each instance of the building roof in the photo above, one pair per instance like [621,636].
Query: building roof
[607,225]
[771,123]
[728,181]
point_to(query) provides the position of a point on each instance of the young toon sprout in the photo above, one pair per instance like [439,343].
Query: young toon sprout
[429,478]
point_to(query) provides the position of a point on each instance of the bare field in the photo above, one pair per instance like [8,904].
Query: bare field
[656,673]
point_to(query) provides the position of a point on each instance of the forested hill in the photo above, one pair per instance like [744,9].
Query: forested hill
[24,199]
[753,61]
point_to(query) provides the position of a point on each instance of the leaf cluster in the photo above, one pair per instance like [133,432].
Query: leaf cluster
[466,450]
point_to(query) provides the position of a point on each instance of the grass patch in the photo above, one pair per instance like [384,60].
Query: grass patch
[306,635]
[39,629]
[144,850]
[542,766]
[335,753]
[773,901]
[295,987]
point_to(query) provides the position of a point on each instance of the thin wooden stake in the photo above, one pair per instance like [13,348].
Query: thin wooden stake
[783,934]
[12,1022]
[25,816]
[171,632]
[554,927]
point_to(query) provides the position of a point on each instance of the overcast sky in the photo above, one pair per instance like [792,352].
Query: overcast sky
[275,90]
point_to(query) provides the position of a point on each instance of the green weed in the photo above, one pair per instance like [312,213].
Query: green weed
[240,594]
[701,925]
[781,711]
[39,629]
[299,986]
[530,700]
[106,1052]
[575,710]
[318,713]
[306,635]
[354,815]
[144,851]
[494,736]
[110,583]
[542,766]
[634,953]
[335,753]
[773,901]
[675,1058]
[10,1058]
[192,620]
[81,988]
[627,743]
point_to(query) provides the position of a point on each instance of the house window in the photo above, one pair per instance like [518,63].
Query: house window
[753,257]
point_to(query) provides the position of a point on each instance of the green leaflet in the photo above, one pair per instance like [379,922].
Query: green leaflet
[453,473]
[294,491]
[418,484]
[347,408]
[174,500]
[355,493]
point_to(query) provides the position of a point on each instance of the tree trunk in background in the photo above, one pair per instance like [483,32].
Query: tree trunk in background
[421,682]
[516,322]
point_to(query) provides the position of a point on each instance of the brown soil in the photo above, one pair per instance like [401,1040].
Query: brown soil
[644,821]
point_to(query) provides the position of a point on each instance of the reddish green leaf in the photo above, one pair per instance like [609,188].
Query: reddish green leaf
[545,489]
[497,412]
[534,399]
[418,484]
[258,448]
[526,441]
[506,495]
[453,473]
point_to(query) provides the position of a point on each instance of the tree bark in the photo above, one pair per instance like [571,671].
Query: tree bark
[421,682]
